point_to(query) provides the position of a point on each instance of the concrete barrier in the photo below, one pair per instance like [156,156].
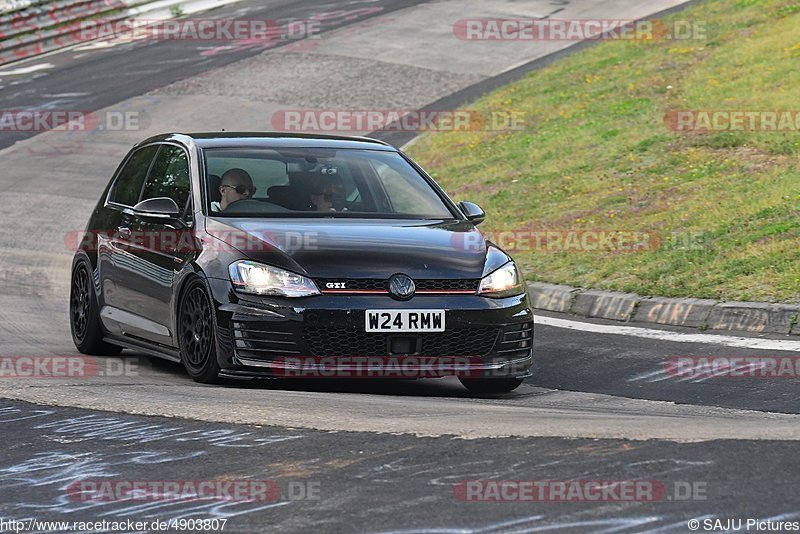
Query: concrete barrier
[606,304]
[552,297]
[677,312]
[760,317]
[753,317]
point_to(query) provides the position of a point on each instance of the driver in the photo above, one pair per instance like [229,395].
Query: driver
[236,184]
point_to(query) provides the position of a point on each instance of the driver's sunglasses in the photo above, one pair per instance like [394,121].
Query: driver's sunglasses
[241,189]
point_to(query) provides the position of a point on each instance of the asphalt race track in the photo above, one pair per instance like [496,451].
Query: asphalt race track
[381,456]
[369,482]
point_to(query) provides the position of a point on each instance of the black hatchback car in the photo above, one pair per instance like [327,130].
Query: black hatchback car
[276,255]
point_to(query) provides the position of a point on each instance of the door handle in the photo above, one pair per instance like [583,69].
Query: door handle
[124,232]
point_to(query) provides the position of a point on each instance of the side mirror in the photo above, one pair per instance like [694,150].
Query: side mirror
[159,209]
[473,212]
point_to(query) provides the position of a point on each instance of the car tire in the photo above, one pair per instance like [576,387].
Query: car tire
[196,333]
[491,385]
[84,318]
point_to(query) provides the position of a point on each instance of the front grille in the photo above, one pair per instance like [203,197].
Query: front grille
[352,341]
[260,340]
[516,338]
[447,285]
[375,284]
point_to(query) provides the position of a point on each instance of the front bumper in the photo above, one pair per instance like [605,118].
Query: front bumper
[323,336]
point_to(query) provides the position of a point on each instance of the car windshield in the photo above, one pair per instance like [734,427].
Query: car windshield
[313,182]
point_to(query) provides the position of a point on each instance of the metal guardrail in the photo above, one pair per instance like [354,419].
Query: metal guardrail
[48,25]
[43,16]
[9,6]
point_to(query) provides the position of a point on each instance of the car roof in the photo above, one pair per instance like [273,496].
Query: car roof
[273,140]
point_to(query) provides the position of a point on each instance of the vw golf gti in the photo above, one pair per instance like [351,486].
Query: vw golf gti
[255,255]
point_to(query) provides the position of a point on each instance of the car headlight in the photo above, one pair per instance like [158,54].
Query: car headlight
[260,279]
[503,282]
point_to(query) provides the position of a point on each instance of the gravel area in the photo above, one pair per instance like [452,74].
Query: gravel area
[324,81]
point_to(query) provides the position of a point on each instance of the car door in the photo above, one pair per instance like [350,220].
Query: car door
[154,254]
[110,232]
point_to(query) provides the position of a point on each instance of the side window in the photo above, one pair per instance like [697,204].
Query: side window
[131,178]
[169,176]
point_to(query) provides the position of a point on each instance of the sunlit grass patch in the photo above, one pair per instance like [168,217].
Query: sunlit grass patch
[595,153]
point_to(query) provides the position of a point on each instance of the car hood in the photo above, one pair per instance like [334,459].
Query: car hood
[359,248]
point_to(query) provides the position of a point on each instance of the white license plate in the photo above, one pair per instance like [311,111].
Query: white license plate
[404,321]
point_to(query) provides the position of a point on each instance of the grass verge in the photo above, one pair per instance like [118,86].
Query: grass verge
[595,154]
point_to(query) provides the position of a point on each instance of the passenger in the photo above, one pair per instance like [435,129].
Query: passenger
[323,189]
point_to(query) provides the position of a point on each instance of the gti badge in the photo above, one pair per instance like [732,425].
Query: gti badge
[335,285]
[401,287]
